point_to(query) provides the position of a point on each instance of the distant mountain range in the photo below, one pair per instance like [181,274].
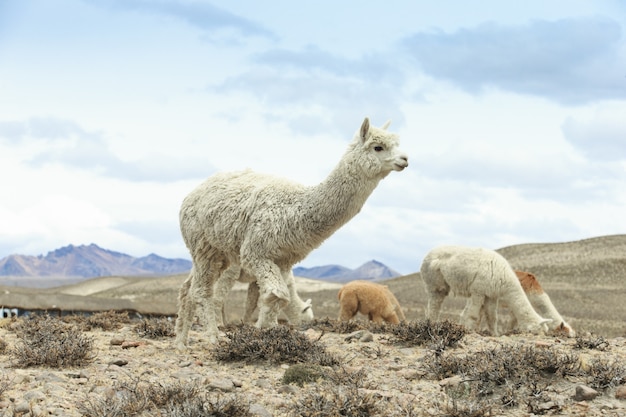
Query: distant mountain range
[90,261]
[372,271]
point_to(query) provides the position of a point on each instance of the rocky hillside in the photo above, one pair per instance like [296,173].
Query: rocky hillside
[89,261]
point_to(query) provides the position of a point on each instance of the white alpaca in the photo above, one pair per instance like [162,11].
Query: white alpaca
[485,277]
[266,225]
[297,310]
[374,300]
[542,304]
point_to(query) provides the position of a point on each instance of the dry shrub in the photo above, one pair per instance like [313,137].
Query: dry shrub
[605,374]
[136,398]
[336,326]
[302,373]
[280,344]
[103,320]
[592,342]
[155,328]
[512,374]
[107,320]
[437,335]
[46,341]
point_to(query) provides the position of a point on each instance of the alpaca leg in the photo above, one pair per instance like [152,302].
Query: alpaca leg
[202,290]
[348,306]
[471,314]
[433,308]
[251,301]
[298,310]
[490,312]
[186,310]
[376,317]
[391,318]
[221,288]
[274,294]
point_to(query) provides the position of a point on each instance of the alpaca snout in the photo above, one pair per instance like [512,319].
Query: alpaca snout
[401,163]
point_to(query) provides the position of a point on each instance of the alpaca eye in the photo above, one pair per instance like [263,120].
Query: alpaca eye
[378,148]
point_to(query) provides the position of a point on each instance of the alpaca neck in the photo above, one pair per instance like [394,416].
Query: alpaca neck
[520,306]
[543,304]
[338,198]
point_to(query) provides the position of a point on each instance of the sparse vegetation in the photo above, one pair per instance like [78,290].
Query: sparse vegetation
[302,373]
[280,344]
[592,342]
[47,341]
[155,328]
[437,335]
[138,398]
[605,374]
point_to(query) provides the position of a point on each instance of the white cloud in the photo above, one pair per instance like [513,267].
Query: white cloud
[569,60]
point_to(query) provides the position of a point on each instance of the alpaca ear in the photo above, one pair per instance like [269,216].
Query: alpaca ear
[365,128]
[386,125]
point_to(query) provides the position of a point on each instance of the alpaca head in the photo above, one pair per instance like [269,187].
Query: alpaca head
[565,330]
[540,327]
[306,314]
[377,150]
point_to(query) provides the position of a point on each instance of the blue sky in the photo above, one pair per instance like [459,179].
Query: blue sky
[513,117]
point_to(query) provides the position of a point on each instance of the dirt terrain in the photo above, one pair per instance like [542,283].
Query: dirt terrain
[586,281]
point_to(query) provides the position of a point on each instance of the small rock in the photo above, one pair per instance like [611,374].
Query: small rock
[452,381]
[287,389]
[620,392]
[34,396]
[263,383]
[118,362]
[585,393]
[237,383]
[126,345]
[361,335]
[259,410]
[367,337]
[23,407]
[224,385]
[116,342]
[410,374]
[542,344]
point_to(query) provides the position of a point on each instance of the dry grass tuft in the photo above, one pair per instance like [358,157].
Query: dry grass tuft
[46,341]
[592,342]
[280,344]
[155,328]
[510,375]
[135,397]
[437,335]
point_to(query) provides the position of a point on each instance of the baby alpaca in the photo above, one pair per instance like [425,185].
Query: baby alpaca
[371,299]
[485,277]
[265,225]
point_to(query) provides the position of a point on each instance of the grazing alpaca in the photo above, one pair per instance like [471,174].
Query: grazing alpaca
[371,299]
[266,225]
[485,277]
[543,305]
[297,311]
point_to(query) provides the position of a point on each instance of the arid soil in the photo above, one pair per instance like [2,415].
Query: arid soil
[395,375]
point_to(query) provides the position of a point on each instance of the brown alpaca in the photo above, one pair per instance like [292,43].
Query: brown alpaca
[371,299]
[542,303]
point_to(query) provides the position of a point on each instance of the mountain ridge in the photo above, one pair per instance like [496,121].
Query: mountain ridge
[78,262]
[89,261]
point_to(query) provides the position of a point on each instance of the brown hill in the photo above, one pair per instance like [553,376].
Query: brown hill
[586,280]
